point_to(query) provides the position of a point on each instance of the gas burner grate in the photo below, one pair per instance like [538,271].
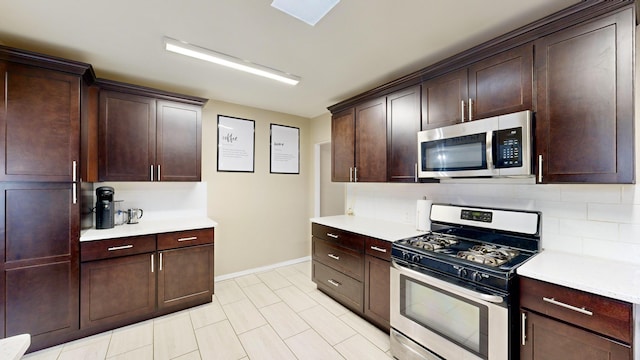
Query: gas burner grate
[433,242]
[487,254]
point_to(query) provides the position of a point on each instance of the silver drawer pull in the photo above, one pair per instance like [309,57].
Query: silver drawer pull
[333,282]
[332,235]
[378,249]
[114,248]
[334,257]
[581,310]
[188,238]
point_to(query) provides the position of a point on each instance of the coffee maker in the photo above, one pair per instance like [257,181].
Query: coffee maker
[104,207]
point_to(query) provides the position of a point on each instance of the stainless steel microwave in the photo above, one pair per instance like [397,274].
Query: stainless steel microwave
[499,146]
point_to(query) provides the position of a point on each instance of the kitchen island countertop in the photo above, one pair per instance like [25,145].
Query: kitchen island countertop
[145,227]
[610,278]
[379,229]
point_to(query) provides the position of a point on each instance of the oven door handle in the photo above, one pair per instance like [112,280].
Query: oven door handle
[486,297]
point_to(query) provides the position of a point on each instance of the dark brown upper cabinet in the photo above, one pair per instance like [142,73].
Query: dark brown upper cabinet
[359,138]
[142,137]
[497,85]
[403,124]
[584,119]
[39,123]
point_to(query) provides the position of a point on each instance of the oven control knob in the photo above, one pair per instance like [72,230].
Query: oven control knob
[406,256]
[462,272]
[416,258]
[477,276]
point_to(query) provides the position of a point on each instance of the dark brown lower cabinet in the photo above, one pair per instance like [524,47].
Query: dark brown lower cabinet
[185,276]
[550,339]
[354,270]
[377,290]
[565,324]
[114,290]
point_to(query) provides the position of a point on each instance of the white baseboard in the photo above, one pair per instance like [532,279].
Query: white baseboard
[261,269]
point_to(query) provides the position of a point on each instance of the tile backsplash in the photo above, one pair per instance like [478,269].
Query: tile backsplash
[594,220]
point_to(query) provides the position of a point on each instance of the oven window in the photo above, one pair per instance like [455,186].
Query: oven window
[453,317]
[459,153]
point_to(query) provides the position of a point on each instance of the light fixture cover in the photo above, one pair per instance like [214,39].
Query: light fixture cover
[309,11]
[194,51]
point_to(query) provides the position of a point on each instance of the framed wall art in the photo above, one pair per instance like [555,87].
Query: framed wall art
[236,144]
[285,149]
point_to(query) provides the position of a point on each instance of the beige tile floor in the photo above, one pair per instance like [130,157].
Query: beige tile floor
[277,314]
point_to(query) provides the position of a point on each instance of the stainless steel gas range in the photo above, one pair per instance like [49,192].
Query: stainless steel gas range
[453,291]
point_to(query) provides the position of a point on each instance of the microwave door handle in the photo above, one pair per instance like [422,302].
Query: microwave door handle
[491,151]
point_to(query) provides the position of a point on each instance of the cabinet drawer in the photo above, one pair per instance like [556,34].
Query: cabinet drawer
[344,238]
[341,259]
[104,249]
[342,287]
[185,238]
[609,317]
[378,248]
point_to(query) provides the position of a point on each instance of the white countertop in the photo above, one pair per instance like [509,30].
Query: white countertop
[380,229]
[12,348]
[604,277]
[145,227]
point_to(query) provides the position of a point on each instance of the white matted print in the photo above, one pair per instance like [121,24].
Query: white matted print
[285,149]
[236,144]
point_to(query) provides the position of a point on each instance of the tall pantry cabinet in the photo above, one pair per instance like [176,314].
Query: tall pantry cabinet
[39,210]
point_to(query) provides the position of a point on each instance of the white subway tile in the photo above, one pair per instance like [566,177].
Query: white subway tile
[612,250]
[590,229]
[630,233]
[630,194]
[609,194]
[620,213]
[562,209]
[572,244]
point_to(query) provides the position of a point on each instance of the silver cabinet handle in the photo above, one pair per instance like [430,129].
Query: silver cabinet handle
[152,262]
[160,262]
[470,109]
[75,171]
[333,282]
[333,256]
[461,110]
[415,173]
[581,310]
[524,329]
[350,174]
[332,235]
[378,249]
[114,248]
[188,238]
[540,168]
[158,172]
[74,189]
[355,174]
[151,172]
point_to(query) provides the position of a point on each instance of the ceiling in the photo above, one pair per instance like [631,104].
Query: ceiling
[359,45]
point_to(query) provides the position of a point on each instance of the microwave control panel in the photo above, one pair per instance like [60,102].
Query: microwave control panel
[509,148]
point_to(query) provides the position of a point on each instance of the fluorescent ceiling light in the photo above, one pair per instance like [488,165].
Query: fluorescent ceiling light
[309,11]
[215,57]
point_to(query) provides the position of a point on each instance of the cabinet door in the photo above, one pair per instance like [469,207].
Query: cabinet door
[371,141]
[502,84]
[444,100]
[343,126]
[39,123]
[178,141]
[185,276]
[40,275]
[584,119]
[548,339]
[126,137]
[117,290]
[377,290]
[403,124]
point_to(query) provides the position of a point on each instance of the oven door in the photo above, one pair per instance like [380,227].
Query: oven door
[438,319]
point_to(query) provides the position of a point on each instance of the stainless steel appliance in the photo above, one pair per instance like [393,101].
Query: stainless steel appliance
[104,207]
[453,290]
[499,146]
